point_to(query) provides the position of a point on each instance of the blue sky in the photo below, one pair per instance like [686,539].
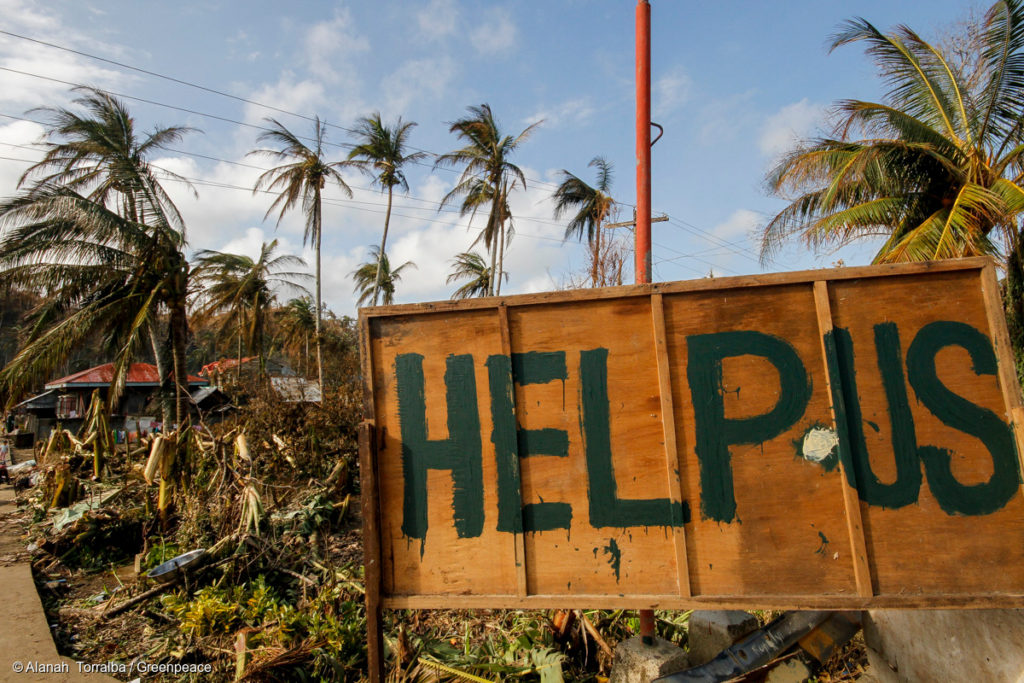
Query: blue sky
[734,83]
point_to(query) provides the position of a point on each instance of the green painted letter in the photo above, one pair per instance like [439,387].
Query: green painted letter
[853,447]
[512,443]
[460,452]
[606,508]
[715,433]
[960,414]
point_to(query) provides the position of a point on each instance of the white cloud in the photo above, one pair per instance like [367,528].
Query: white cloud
[22,91]
[784,128]
[496,34]
[719,117]
[250,243]
[332,86]
[417,79]
[670,92]
[329,44]
[296,95]
[438,20]
[740,223]
[27,15]
[574,111]
[39,62]
[23,134]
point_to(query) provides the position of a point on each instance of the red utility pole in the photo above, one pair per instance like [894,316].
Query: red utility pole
[643,142]
[642,250]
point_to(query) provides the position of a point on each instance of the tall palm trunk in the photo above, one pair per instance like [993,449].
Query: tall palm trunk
[383,243]
[179,341]
[501,256]
[164,391]
[316,227]
[501,236]
[238,359]
[257,341]
[495,237]
[494,260]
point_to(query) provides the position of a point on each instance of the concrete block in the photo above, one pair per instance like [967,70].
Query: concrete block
[639,663]
[790,671]
[878,670]
[711,631]
[947,645]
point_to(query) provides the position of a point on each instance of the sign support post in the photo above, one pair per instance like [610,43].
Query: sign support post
[643,190]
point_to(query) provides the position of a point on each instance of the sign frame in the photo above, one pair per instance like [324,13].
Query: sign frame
[865,596]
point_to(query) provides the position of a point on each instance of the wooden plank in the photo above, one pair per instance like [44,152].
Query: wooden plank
[370,508]
[608,352]
[673,463]
[675,602]
[366,364]
[786,511]
[449,382]
[371,551]
[636,404]
[923,535]
[1004,353]
[703,284]
[520,552]
[854,523]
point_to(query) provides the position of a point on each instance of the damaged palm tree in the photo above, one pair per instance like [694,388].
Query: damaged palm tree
[96,431]
[95,230]
[65,487]
[252,510]
[162,457]
[59,442]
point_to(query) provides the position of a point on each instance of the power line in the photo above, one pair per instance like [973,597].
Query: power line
[681,254]
[165,77]
[432,203]
[681,265]
[346,204]
[147,101]
[204,88]
[334,202]
[713,251]
[710,237]
[351,204]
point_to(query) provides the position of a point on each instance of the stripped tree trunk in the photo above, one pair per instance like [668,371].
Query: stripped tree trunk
[383,244]
[317,218]
[163,372]
[179,343]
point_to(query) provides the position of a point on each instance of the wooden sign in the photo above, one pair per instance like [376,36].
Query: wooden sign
[825,439]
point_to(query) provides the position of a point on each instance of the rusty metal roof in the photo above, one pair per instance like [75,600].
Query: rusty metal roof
[224,364]
[139,374]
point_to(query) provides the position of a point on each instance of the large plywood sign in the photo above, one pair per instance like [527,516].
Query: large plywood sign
[838,438]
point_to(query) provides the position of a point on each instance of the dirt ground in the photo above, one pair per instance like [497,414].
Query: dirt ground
[24,627]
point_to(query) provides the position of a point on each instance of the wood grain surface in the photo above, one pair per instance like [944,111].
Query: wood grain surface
[825,439]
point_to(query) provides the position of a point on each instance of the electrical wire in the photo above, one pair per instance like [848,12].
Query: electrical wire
[679,223]
[204,88]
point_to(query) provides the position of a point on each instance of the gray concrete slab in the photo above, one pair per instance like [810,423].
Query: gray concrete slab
[946,645]
[27,650]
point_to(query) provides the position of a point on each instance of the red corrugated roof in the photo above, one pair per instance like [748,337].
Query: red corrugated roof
[138,373]
[223,365]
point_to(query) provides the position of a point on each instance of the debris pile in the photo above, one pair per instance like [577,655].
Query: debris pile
[236,546]
[232,545]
